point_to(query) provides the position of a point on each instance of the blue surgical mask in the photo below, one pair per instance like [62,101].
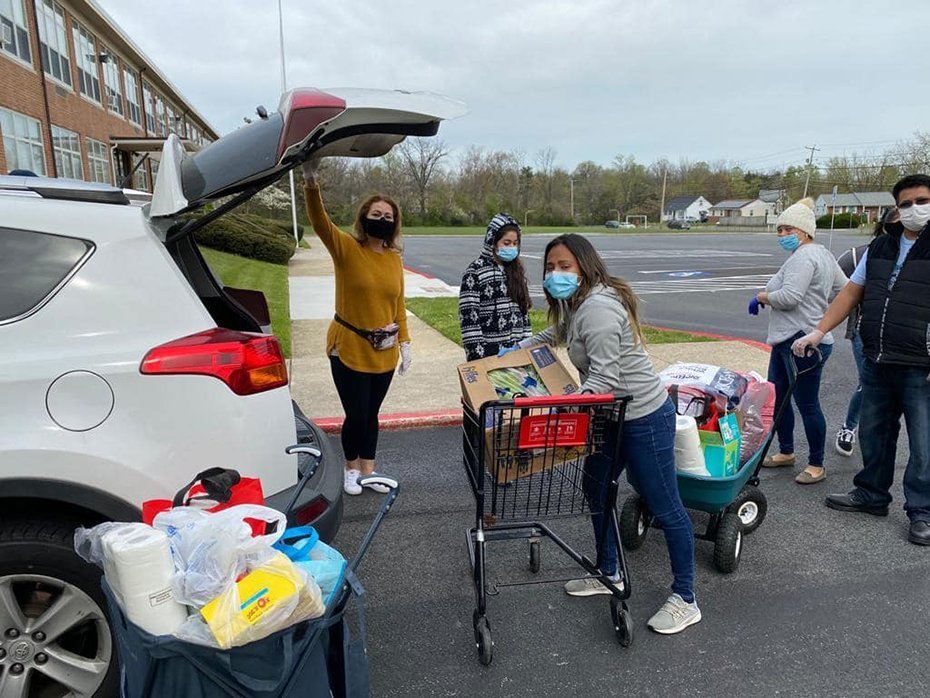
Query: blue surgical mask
[561,284]
[789,243]
[508,254]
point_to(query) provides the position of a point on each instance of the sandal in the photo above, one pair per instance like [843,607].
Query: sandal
[781,460]
[811,475]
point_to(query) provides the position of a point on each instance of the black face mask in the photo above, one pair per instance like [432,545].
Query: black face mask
[378,228]
[895,228]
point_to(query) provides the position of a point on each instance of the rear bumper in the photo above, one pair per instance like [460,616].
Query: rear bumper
[327,524]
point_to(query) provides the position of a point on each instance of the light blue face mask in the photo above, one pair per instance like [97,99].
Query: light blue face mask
[789,243]
[508,254]
[561,284]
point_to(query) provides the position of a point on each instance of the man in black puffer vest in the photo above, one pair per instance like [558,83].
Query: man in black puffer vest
[892,282]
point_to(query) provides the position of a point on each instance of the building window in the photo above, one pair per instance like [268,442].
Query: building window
[132,97]
[148,104]
[98,158]
[53,41]
[14,38]
[160,116]
[111,81]
[66,148]
[140,178]
[154,165]
[22,142]
[86,50]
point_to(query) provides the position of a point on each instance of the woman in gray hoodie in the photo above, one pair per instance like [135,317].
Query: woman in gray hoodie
[596,316]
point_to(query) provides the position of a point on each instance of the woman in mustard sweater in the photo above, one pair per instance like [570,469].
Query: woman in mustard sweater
[369,330]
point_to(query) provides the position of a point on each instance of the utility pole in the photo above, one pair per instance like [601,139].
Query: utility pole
[662,205]
[810,163]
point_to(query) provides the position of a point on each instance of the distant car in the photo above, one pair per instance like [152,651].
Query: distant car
[626,224]
[679,225]
[612,224]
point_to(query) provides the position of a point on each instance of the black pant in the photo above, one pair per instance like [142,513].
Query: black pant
[361,395]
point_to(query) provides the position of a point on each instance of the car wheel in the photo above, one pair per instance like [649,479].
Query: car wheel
[55,638]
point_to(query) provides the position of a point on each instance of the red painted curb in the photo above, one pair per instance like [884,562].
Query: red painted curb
[400,420]
[721,337]
[418,273]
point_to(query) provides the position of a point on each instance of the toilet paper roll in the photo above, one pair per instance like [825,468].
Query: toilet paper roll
[139,569]
[689,458]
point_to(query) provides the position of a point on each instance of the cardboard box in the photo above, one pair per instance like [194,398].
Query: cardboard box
[502,457]
[721,448]
[477,389]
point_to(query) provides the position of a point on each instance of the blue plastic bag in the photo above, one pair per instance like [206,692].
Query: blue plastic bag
[326,565]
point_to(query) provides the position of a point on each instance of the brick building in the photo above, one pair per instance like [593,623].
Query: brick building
[79,99]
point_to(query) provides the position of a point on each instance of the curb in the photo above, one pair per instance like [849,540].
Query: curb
[411,270]
[400,420]
[721,337]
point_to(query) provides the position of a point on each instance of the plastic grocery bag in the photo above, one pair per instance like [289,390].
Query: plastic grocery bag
[757,414]
[517,380]
[715,380]
[326,565]
[269,598]
[211,551]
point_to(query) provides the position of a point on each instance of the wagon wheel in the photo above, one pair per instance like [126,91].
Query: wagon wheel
[623,621]
[535,553]
[728,544]
[483,641]
[635,520]
[750,506]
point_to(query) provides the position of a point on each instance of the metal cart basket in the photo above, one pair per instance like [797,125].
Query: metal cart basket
[527,460]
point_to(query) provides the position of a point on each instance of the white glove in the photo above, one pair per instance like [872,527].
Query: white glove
[310,167]
[405,358]
[807,342]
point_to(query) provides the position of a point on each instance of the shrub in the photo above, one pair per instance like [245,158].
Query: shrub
[842,220]
[248,236]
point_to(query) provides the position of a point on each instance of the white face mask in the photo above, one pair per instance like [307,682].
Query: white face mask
[915,217]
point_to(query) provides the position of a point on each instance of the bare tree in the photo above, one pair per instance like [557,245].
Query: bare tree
[420,157]
[545,164]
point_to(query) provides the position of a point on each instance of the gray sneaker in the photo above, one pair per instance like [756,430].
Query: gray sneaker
[674,616]
[588,586]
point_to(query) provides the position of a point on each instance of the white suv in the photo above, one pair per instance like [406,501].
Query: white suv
[126,367]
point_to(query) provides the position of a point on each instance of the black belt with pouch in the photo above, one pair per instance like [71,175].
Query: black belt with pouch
[380,339]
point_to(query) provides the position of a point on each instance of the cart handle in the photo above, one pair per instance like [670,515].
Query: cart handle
[563,400]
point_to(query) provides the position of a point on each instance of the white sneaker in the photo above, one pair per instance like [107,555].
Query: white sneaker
[589,586]
[675,615]
[350,483]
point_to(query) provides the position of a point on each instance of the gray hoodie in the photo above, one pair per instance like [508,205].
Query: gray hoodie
[601,346]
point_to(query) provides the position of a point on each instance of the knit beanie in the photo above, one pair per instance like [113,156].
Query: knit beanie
[799,215]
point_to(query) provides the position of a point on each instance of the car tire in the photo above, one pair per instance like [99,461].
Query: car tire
[39,568]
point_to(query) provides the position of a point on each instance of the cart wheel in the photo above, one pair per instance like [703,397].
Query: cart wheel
[750,506]
[634,522]
[623,622]
[534,556]
[728,544]
[483,639]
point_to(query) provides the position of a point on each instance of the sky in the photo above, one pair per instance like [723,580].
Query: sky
[750,82]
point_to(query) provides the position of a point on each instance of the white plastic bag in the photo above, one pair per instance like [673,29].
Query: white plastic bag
[212,550]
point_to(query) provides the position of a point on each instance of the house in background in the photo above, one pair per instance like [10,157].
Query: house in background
[742,212]
[870,204]
[679,208]
[775,197]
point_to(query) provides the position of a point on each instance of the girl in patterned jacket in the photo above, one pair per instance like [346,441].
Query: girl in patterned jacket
[494,299]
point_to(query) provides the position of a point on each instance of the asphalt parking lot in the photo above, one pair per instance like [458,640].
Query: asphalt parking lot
[823,604]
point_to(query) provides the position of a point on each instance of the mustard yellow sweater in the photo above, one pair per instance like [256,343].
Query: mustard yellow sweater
[369,292]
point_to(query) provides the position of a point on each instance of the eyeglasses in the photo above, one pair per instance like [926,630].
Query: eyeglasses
[922,201]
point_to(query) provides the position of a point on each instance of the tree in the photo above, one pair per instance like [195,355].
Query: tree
[420,158]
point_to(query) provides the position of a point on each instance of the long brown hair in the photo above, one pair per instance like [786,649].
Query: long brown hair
[593,273]
[514,272]
[396,241]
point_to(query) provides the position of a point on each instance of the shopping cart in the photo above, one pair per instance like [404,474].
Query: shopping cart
[527,460]
[735,503]
[322,657]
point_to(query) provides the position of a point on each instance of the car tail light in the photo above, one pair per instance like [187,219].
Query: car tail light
[311,511]
[303,110]
[247,363]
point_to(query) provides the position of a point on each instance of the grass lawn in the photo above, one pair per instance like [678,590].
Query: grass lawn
[442,314]
[270,279]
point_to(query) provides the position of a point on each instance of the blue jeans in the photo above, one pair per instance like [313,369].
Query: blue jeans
[647,451]
[855,402]
[888,392]
[806,397]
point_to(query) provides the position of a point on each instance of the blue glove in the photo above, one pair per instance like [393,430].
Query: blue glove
[507,350]
[754,306]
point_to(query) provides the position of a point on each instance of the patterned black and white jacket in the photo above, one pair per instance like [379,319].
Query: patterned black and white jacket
[489,319]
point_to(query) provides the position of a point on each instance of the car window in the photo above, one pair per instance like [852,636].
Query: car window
[32,267]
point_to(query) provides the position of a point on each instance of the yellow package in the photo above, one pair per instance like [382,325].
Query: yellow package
[266,600]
